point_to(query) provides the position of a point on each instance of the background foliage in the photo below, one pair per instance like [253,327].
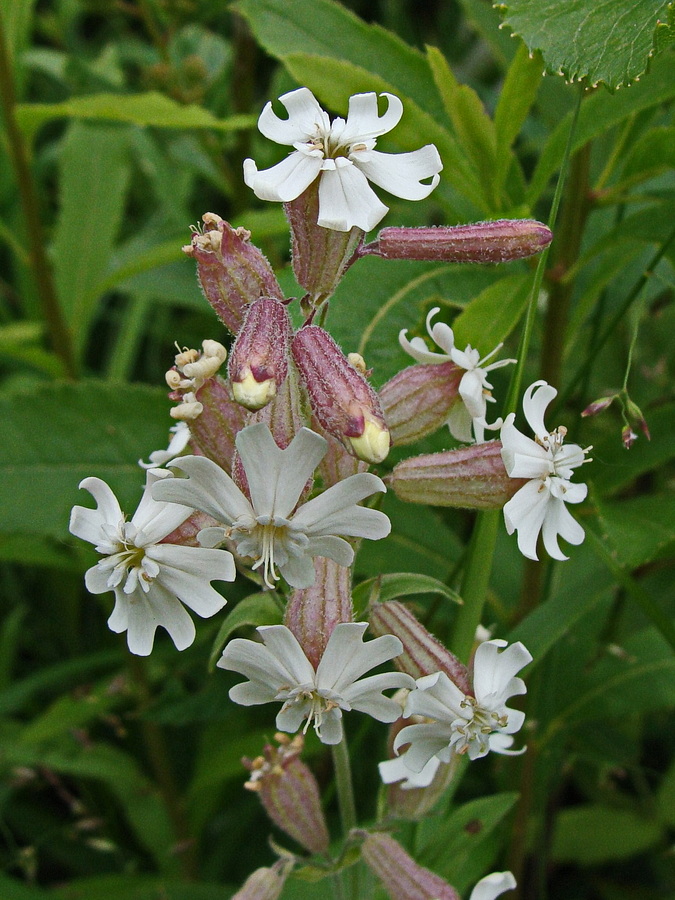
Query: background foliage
[123,122]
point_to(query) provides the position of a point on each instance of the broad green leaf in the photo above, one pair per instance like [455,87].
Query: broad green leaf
[94,176]
[592,834]
[517,96]
[11,889]
[399,584]
[151,109]
[652,154]
[491,316]
[71,712]
[639,529]
[57,434]
[450,847]
[608,41]
[664,34]
[486,20]
[599,112]
[256,609]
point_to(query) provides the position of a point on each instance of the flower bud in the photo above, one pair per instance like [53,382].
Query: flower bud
[628,436]
[417,401]
[402,877]
[289,793]
[341,398]
[265,883]
[598,406]
[312,613]
[214,431]
[259,358]
[482,242]
[232,272]
[635,414]
[320,255]
[423,654]
[470,478]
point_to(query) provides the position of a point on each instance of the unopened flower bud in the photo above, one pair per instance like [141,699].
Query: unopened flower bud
[628,436]
[402,877]
[289,793]
[470,478]
[259,358]
[417,401]
[423,654]
[635,414]
[265,883]
[482,242]
[320,255]
[232,272]
[341,398]
[221,418]
[598,406]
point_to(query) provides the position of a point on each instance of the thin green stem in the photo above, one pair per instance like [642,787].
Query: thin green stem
[57,327]
[344,786]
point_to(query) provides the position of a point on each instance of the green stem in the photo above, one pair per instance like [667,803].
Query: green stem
[344,786]
[475,582]
[57,327]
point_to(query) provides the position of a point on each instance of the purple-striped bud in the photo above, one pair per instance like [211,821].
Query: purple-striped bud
[289,793]
[232,271]
[635,414]
[337,464]
[343,402]
[417,401]
[469,478]
[258,361]
[312,613]
[482,242]
[402,877]
[598,406]
[266,883]
[423,654]
[214,430]
[320,255]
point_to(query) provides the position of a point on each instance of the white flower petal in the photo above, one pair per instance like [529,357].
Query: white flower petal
[330,730]
[286,180]
[559,522]
[335,510]
[279,662]
[471,389]
[366,695]
[494,669]
[523,457]
[188,571]
[392,770]
[535,401]
[299,570]
[525,512]
[207,488]
[346,200]
[347,657]
[305,118]
[86,523]
[154,518]
[493,886]
[252,693]
[401,174]
[426,741]
[419,351]
[435,697]
[363,120]
[460,423]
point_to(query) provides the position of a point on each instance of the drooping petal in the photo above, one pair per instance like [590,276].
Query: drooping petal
[460,423]
[330,729]
[188,571]
[401,174]
[96,580]
[141,613]
[299,570]
[291,717]
[86,523]
[207,488]
[525,513]
[346,199]
[393,770]
[305,118]
[559,522]
[471,389]
[493,886]
[419,351]
[331,547]
[287,179]
[535,401]
[364,121]
[426,741]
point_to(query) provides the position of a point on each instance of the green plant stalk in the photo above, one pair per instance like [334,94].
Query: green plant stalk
[345,794]
[60,336]
[128,339]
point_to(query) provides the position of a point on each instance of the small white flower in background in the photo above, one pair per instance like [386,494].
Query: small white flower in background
[539,506]
[279,670]
[474,388]
[179,441]
[151,579]
[458,723]
[493,885]
[342,155]
[267,528]
[393,770]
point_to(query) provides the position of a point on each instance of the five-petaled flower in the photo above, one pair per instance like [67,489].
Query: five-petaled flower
[151,579]
[467,420]
[278,669]
[539,506]
[269,528]
[458,723]
[342,155]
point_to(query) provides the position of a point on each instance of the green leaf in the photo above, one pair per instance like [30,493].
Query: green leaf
[94,176]
[607,41]
[134,887]
[517,96]
[598,113]
[593,834]
[10,889]
[67,713]
[399,584]
[256,609]
[664,34]
[93,429]
[491,316]
[639,529]
[150,109]
[450,848]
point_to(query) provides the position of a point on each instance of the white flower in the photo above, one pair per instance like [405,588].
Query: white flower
[539,506]
[179,441]
[493,886]
[461,723]
[267,528]
[393,770]
[342,155]
[474,388]
[151,579]
[279,670]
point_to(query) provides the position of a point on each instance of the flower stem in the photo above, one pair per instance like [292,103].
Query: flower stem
[57,327]
[344,786]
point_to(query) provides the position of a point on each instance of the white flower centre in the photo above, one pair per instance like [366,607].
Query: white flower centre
[315,704]
[476,726]
[271,541]
[125,560]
